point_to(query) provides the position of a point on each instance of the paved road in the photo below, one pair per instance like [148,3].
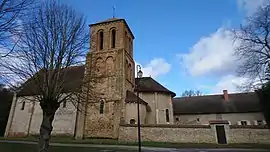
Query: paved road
[122,148]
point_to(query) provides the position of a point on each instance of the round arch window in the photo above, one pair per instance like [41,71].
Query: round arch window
[132,121]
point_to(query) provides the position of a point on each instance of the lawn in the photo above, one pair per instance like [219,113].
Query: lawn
[15,147]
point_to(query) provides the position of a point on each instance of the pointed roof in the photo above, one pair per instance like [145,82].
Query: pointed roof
[114,20]
[148,84]
[132,98]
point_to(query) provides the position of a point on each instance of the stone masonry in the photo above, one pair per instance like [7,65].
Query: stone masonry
[110,67]
[195,134]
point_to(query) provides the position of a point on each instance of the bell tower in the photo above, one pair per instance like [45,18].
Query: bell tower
[110,65]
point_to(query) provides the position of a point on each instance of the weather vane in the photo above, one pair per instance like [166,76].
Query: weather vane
[113,11]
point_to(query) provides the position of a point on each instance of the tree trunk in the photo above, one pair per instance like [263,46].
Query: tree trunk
[45,131]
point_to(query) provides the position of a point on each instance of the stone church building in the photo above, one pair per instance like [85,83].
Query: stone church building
[111,53]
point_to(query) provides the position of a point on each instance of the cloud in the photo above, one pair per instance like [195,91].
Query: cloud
[250,6]
[155,68]
[211,55]
[230,83]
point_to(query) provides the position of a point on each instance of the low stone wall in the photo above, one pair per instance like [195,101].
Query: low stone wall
[195,133]
[248,134]
[168,133]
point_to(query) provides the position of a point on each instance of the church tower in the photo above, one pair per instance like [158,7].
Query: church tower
[110,65]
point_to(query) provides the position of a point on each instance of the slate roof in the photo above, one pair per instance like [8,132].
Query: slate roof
[72,82]
[114,20]
[132,98]
[148,84]
[238,103]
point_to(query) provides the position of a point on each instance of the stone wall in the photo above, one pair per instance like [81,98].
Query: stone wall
[63,123]
[168,133]
[249,134]
[158,102]
[195,133]
[21,117]
[131,113]
[27,121]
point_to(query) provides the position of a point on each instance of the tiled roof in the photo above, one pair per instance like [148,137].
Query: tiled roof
[72,82]
[132,98]
[238,103]
[148,84]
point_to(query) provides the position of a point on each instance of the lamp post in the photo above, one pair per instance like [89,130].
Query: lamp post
[139,75]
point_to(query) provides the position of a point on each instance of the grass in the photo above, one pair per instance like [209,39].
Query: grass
[14,147]
[70,140]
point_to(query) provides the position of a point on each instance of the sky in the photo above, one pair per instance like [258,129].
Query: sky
[183,44]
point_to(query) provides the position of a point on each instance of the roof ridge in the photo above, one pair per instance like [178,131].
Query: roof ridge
[240,93]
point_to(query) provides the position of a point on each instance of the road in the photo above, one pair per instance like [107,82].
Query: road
[123,148]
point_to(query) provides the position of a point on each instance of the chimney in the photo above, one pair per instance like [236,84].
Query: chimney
[225,95]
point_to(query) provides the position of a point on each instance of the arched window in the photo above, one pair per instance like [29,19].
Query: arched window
[99,65]
[129,45]
[167,115]
[101,36]
[109,65]
[23,104]
[126,69]
[132,121]
[64,104]
[129,72]
[126,40]
[113,38]
[101,107]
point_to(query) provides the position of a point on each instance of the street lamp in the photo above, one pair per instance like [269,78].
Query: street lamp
[139,75]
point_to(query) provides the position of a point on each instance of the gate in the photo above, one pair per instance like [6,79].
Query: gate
[221,135]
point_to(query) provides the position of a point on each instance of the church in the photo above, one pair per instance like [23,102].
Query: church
[111,53]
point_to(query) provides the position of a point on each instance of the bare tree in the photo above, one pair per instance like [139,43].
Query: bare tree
[11,12]
[253,49]
[55,39]
[189,93]
[253,52]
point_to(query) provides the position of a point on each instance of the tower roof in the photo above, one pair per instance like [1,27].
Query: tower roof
[108,20]
[113,20]
[148,84]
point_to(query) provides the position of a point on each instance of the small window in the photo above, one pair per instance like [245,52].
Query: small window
[129,72]
[130,45]
[113,37]
[126,39]
[101,107]
[23,104]
[176,119]
[260,122]
[243,123]
[132,121]
[64,104]
[101,40]
[198,119]
[167,115]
